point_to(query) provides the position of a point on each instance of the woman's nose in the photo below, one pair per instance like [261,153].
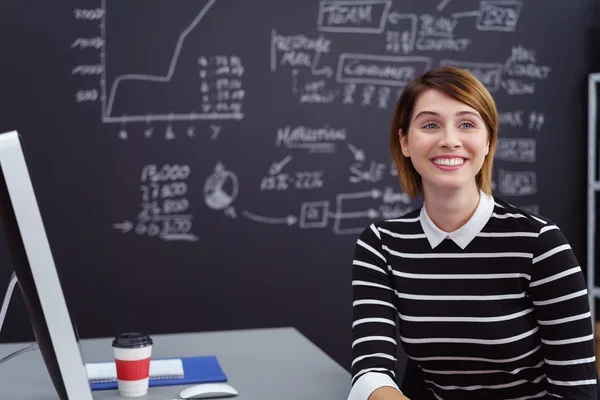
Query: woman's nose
[450,138]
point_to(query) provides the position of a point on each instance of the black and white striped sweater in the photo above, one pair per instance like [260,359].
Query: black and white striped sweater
[495,310]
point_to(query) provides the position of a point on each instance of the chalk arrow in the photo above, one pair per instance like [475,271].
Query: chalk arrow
[359,155]
[370,213]
[124,226]
[289,220]
[394,17]
[230,212]
[465,14]
[373,193]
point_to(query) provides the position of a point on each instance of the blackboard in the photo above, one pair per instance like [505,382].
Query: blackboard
[205,165]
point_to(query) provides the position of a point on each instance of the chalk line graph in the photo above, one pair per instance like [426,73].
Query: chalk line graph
[108,101]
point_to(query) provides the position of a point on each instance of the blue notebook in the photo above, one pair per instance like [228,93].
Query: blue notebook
[203,369]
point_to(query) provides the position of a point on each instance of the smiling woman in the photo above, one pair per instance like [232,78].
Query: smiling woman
[450,102]
[490,300]
[446,135]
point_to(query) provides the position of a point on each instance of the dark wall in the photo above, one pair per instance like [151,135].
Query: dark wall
[209,166]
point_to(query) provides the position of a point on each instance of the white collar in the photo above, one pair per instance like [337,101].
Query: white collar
[466,233]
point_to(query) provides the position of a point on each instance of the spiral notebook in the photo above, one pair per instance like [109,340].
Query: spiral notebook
[163,372]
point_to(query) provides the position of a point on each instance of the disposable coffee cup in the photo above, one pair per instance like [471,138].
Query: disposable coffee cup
[132,352]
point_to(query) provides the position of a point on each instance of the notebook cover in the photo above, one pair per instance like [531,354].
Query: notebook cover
[203,369]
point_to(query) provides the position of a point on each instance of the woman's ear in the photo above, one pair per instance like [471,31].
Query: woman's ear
[403,143]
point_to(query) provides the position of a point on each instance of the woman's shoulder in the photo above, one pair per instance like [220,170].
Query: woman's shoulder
[409,222]
[521,218]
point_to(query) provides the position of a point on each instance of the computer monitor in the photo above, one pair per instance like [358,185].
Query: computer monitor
[36,273]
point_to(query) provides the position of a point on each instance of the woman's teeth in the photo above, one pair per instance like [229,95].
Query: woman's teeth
[449,161]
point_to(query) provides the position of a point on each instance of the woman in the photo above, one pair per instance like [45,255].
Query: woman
[485,298]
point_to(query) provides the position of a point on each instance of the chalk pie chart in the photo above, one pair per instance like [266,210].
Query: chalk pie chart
[220,188]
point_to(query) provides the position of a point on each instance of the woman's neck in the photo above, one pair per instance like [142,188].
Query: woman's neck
[451,210]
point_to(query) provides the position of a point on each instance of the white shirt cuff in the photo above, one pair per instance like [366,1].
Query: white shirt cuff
[367,383]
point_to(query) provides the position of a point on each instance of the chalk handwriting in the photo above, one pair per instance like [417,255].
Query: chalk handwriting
[536,121]
[383,70]
[488,73]
[437,26]
[390,211]
[88,14]
[94,69]
[362,16]
[164,209]
[393,169]
[311,138]
[498,15]
[153,173]
[511,118]
[391,197]
[522,71]
[296,50]
[314,214]
[442,44]
[517,183]
[316,92]
[87,43]
[220,84]
[516,150]
[304,180]
[374,172]
[517,87]
[401,36]
[363,55]
[84,96]
[522,63]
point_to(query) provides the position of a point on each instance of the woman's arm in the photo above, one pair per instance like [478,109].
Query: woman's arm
[387,393]
[560,300]
[374,333]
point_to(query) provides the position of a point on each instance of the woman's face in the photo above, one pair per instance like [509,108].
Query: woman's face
[447,142]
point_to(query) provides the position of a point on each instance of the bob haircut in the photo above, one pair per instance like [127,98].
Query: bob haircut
[462,86]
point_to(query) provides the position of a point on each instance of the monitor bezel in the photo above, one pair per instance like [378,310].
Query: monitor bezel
[33,262]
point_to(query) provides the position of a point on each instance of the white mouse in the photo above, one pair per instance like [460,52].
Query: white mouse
[208,391]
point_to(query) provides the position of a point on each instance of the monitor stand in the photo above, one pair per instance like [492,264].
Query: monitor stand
[11,287]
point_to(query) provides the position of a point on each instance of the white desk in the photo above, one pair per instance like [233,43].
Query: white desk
[262,364]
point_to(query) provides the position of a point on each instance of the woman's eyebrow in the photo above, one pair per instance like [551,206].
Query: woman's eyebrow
[435,114]
[468,113]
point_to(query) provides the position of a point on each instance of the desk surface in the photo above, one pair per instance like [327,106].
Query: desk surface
[262,364]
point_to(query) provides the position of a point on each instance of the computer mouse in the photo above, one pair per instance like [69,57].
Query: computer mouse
[208,391]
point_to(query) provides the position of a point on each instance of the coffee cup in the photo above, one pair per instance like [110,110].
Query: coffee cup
[132,352]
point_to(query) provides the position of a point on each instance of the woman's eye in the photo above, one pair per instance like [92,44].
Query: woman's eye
[467,125]
[430,125]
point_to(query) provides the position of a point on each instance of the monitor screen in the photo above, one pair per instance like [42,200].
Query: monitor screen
[37,275]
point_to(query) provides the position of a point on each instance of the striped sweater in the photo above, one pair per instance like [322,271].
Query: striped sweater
[497,311]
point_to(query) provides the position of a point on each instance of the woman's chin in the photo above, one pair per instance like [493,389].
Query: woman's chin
[449,184]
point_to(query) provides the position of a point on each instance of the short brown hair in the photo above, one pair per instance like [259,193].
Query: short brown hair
[461,85]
